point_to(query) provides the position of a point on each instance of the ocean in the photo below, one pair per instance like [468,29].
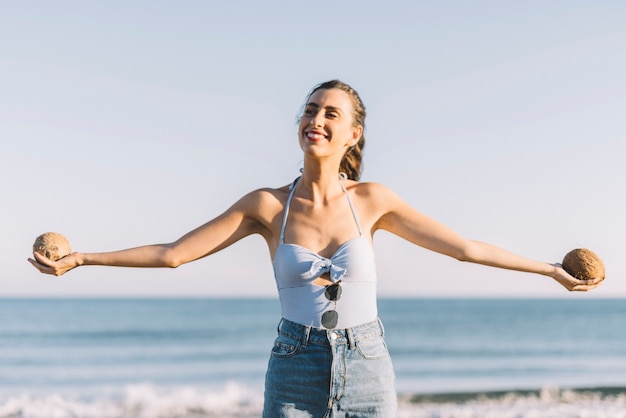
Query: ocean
[194,358]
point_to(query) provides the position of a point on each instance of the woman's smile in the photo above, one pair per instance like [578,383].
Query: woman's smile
[315,136]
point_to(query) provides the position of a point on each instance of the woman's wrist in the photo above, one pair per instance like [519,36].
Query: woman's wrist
[553,270]
[79,258]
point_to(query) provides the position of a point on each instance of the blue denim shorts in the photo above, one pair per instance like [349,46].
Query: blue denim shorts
[319,373]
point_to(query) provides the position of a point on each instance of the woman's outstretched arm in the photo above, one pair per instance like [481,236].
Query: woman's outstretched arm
[399,218]
[240,220]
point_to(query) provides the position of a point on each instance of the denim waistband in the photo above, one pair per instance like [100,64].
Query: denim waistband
[307,334]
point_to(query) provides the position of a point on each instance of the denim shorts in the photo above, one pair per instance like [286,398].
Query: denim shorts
[319,373]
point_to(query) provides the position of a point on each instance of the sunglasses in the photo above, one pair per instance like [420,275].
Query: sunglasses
[333,294]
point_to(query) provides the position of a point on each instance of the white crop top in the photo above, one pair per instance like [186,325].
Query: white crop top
[296,267]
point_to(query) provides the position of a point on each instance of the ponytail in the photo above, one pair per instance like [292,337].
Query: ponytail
[352,162]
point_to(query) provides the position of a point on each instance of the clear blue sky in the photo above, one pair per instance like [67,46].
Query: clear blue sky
[128,123]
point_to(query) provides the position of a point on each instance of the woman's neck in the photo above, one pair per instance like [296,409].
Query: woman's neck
[319,183]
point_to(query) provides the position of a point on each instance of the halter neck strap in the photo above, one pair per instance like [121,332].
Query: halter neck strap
[292,188]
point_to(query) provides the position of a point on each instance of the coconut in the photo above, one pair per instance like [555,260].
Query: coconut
[52,245]
[583,264]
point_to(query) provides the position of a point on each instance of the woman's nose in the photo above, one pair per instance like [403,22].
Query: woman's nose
[316,120]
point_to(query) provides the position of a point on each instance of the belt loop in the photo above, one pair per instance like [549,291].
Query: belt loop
[305,336]
[382,327]
[351,342]
[278,326]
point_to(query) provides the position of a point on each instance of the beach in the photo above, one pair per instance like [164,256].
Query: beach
[153,358]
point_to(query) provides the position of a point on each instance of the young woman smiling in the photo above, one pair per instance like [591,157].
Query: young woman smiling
[329,358]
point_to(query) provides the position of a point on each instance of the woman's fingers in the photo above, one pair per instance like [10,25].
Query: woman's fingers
[47,266]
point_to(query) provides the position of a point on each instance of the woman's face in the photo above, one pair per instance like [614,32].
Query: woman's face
[327,125]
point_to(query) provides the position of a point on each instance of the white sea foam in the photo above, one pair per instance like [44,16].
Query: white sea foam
[547,403]
[237,401]
[139,401]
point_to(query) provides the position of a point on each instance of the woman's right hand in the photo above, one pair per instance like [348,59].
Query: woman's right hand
[572,283]
[56,268]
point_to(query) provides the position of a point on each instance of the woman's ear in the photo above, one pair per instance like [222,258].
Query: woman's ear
[357,132]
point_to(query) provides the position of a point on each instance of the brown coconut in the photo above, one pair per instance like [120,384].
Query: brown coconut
[52,245]
[583,264]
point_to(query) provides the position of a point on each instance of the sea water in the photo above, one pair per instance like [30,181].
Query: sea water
[192,358]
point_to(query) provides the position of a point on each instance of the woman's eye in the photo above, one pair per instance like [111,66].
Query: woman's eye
[308,112]
[331,115]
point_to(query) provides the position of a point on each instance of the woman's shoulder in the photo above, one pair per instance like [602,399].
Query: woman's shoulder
[371,190]
[376,198]
[266,198]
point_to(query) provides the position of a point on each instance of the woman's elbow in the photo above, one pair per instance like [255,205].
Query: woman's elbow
[171,258]
[475,252]
[465,253]
[462,256]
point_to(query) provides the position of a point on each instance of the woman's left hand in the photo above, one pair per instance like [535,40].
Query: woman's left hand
[573,284]
[56,268]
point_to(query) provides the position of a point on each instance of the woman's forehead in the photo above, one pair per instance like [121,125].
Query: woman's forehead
[331,98]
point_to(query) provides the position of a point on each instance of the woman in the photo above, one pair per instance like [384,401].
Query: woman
[329,358]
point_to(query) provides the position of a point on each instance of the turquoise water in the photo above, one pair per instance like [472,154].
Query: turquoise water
[207,357]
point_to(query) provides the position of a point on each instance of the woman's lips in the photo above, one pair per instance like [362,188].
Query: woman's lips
[315,136]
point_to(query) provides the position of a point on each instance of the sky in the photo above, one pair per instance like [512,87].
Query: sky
[131,123]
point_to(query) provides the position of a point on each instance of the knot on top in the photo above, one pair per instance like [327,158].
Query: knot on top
[325,265]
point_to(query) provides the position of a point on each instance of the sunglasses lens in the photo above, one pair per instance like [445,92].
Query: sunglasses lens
[333,292]
[329,319]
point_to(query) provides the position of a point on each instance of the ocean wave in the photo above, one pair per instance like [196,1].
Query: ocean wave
[549,402]
[139,401]
[237,401]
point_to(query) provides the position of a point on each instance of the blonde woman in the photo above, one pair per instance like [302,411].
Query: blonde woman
[329,358]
